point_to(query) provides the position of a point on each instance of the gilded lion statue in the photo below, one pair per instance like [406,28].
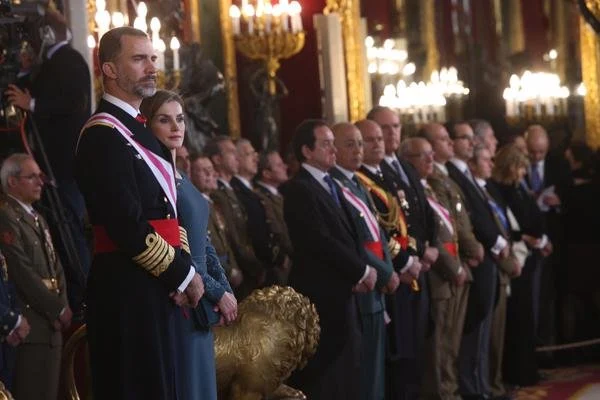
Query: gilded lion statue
[4,393]
[276,332]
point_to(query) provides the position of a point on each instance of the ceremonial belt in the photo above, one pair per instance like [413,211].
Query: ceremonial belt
[452,248]
[375,248]
[168,229]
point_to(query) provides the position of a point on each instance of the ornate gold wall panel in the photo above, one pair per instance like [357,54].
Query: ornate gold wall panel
[516,37]
[230,70]
[590,63]
[428,30]
[349,12]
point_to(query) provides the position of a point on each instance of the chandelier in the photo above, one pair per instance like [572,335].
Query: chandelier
[536,95]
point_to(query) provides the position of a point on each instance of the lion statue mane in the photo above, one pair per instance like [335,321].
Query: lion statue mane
[276,332]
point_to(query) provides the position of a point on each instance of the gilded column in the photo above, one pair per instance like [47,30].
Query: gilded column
[233,105]
[559,24]
[349,12]
[590,68]
[516,36]
[428,23]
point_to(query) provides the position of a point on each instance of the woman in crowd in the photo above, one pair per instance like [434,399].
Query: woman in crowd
[197,377]
[510,166]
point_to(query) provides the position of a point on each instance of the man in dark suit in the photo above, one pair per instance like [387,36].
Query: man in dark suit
[223,154]
[405,183]
[140,273]
[371,306]
[60,104]
[257,227]
[272,173]
[39,279]
[474,352]
[328,265]
[549,178]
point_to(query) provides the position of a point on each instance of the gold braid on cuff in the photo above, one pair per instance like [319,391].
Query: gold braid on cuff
[394,247]
[158,255]
[185,245]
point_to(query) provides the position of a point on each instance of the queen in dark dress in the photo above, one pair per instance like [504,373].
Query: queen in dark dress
[195,343]
[520,366]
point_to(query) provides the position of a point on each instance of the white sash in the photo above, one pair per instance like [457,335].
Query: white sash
[364,210]
[160,168]
[443,213]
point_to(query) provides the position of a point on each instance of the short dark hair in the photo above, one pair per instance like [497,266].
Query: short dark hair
[213,146]
[305,136]
[451,127]
[110,43]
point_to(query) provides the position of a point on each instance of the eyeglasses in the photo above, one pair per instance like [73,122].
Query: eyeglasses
[424,155]
[32,177]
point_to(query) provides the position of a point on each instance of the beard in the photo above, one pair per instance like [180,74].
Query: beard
[143,88]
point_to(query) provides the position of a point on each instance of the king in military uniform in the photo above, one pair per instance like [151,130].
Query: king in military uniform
[140,272]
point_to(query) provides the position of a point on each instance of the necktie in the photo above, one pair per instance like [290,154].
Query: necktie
[332,190]
[400,172]
[141,119]
[497,210]
[535,178]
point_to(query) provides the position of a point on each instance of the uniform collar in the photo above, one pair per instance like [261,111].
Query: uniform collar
[121,104]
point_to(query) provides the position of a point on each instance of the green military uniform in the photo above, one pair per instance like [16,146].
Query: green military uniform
[371,305]
[450,195]
[236,220]
[281,245]
[439,361]
[38,276]
[217,230]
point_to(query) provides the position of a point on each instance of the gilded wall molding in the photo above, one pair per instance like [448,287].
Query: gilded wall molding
[590,63]
[349,12]
[429,38]
[230,70]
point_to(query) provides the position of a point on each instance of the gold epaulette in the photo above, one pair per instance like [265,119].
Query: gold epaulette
[185,245]
[157,256]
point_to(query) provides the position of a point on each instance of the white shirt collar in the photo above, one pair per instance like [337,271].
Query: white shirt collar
[372,169]
[441,167]
[55,48]
[390,159]
[270,188]
[224,182]
[318,174]
[480,182]
[424,182]
[27,207]
[460,164]
[347,173]
[540,167]
[245,181]
[121,104]
[207,197]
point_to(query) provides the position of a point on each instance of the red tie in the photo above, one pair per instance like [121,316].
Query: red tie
[141,119]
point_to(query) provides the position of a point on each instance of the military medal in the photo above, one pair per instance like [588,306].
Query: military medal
[402,198]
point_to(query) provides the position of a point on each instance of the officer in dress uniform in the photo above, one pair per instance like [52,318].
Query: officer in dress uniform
[39,279]
[203,176]
[272,172]
[223,154]
[140,273]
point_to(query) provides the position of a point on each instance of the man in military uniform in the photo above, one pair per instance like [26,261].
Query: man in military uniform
[402,330]
[371,306]
[140,272]
[223,154]
[203,176]
[39,279]
[446,275]
[272,172]
[470,250]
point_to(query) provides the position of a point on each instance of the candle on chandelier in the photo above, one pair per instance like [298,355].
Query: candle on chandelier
[155,29]
[235,14]
[174,45]
[248,12]
[91,43]
[160,48]
[268,17]
[118,19]
[296,20]
[285,10]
